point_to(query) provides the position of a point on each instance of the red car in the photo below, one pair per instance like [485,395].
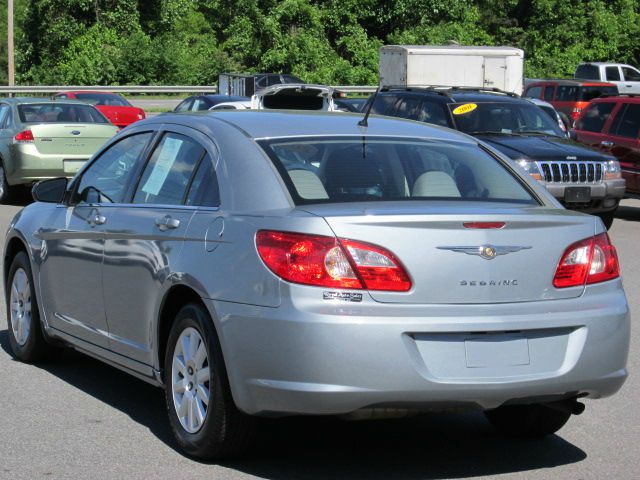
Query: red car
[119,112]
[569,97]
[613,125]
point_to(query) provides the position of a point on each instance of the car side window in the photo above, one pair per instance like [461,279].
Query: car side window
[627,122]
[107,178]
[631,74]
[204,190]
[595,116]
[567,94]
[166,176]
[4,113]
[533,92]
[184,105]
[548,93]
[383,104]
[199,104]
[613,74]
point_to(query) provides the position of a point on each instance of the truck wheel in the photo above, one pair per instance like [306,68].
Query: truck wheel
[202,414]
[530,421]
[607,219]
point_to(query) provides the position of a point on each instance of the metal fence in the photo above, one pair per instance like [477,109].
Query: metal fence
[144,89]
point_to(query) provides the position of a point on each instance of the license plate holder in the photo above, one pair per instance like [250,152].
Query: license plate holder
[499,350]
[577,194]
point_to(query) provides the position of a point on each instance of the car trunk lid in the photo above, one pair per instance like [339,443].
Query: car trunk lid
[443,257]
[72,138]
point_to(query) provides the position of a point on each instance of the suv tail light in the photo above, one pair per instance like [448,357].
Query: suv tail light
[330,262]
[24,136]
[591,260]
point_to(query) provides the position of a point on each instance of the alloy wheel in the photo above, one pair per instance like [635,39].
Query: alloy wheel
[190,380]
[20,306]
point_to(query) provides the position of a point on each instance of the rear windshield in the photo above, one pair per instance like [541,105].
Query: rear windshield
[355,169]
[59,113]
[503,118]
[293,102]
[106,99]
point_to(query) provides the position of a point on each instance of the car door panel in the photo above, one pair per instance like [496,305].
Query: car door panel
[70,272]
[143,244]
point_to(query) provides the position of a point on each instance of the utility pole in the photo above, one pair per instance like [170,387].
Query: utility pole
[12,79]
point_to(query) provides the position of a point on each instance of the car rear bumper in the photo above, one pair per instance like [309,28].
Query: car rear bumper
[331,357]
[28,166]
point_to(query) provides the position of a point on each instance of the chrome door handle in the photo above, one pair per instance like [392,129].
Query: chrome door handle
[167,223]
[606,143]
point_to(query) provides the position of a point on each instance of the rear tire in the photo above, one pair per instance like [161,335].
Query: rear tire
[531,421]
[202,414]
[6,191]
[26,337]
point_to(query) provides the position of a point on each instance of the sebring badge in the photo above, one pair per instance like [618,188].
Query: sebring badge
[488,252]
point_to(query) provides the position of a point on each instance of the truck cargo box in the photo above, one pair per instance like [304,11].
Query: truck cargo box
[452,66]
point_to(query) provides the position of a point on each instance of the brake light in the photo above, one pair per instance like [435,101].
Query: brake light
[24,136]
[330,262]
[575,113]
[591,260]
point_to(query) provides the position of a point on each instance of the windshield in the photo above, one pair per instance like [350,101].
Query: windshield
[106,99]
[59,113]
[352,169]
[503,118]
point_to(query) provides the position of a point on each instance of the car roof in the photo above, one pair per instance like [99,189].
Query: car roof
[611,64]
[452,95]
[89,91]
[279,123]
[25,100]
[573,82]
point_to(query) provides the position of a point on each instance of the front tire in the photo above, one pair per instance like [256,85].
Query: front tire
[531,421]
[202,414]
[26,336]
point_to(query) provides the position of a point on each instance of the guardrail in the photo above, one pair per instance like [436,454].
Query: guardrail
[36,89]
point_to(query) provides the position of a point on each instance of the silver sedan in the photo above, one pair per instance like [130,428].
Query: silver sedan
[273,264]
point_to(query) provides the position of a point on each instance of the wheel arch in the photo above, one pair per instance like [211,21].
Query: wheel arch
[174,299]
[13,246]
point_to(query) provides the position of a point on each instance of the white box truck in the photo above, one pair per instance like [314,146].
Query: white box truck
[452,66]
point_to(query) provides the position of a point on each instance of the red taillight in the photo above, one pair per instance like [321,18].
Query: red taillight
[591,260]
[24,136]
[575,113]
[329,262]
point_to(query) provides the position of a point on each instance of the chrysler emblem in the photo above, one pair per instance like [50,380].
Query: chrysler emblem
[488,252]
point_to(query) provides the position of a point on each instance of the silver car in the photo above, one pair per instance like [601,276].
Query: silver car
[272,264]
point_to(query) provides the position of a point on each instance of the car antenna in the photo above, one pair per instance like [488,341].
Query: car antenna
[365,121]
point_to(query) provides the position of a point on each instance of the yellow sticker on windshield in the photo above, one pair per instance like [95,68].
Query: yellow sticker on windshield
[466,108]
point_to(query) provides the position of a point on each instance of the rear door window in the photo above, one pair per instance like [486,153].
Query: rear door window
[613,74]
[627,121]
[166,177]
[204,191]
[567,93]
[595,116]
[548,93]
[588,72]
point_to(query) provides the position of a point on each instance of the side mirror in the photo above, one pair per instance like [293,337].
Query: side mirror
[50,191]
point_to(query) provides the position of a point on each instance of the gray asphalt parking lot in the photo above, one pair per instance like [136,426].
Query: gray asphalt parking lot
[78,418]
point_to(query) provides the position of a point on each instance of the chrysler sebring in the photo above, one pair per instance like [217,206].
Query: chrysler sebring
[279,263]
